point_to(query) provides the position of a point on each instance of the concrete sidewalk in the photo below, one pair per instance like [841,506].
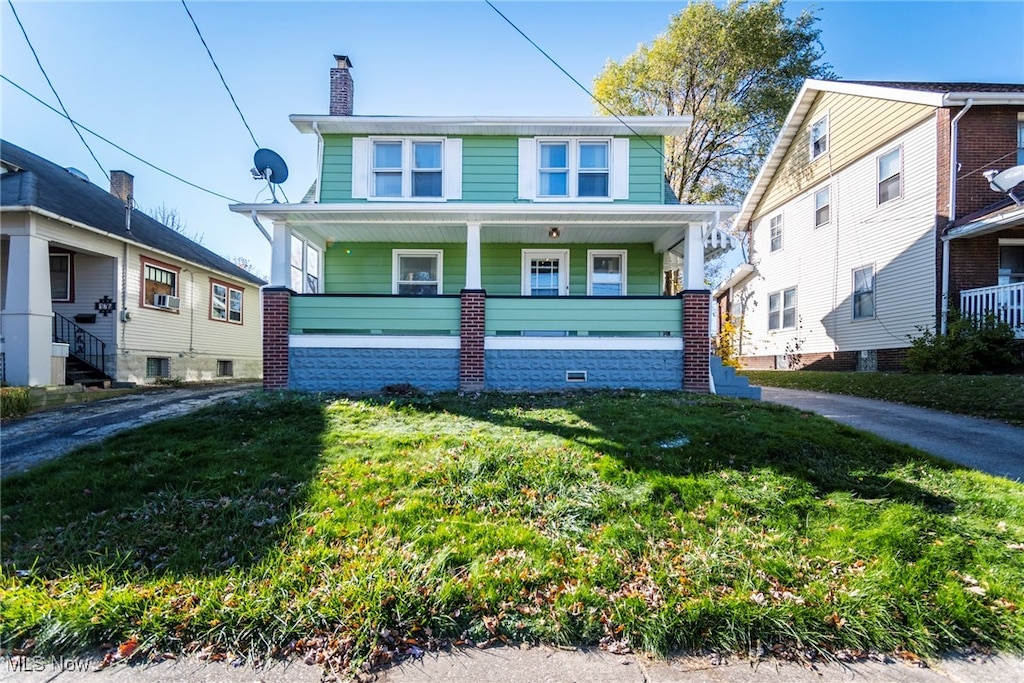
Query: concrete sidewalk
[984,445]
[538,665]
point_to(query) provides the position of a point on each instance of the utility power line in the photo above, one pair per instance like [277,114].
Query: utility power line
[54,90]
[237,108]
[117,146]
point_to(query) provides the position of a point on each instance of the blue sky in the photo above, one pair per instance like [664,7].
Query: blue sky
[137,73]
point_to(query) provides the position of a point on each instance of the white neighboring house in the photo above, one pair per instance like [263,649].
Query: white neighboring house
[856,240]
[123,296]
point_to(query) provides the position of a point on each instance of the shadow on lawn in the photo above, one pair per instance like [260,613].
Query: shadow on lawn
[190,495]
[686,434]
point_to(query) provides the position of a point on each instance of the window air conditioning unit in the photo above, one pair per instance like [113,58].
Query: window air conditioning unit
[167,301]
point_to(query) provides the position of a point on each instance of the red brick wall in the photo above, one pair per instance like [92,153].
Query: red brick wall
[891,360]
[697,344]
[276,304]
[471,346]
[342,93]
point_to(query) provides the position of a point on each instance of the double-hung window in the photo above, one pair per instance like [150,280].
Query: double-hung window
[819,137]
[159,280]
[61,281]
[864,293]
[305,266]
[225,302]
[574,168]
[822,207]
[407,168]
[782,309]
[1020,139]
[775,225]
[606,273]
[890,185]
[417,272]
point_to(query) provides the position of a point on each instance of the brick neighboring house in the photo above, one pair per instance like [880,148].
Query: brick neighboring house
[856,243]
[497,253]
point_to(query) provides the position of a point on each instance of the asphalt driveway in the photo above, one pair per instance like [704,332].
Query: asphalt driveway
[53,433]
[986,445]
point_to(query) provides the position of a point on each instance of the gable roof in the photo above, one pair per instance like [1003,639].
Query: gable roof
[932,94]
[41,184]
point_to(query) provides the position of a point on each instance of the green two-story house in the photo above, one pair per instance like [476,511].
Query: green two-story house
[507,253]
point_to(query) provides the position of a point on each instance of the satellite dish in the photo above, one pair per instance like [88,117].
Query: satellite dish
[269,166]
[1005,182]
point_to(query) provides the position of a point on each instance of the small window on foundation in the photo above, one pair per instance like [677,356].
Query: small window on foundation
[225,368]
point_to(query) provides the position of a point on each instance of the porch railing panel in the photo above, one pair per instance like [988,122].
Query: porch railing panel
[1005,302]
[367,314]
[83,345]
[584,316]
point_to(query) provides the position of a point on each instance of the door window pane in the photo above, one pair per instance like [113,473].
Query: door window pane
[544,277]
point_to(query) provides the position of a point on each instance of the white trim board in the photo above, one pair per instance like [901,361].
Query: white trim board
[370,341]
[583,343]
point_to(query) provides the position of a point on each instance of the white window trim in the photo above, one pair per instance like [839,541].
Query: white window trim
[879,179]
[306,244]
[814,205]
[563,277]
[591,253]
[782,310]
[362,168]
[397,253]
[853,293]
[782,236]
[810,138]
[529,168]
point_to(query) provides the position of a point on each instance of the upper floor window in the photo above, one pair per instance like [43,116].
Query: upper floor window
[776,232]
[782,309]
[574,169]
[890,185]
[819,137]
[225,302]
[1020,139]
[407,168]
[160,284]
[417,272]
[305,266]
[61,277]
[822,207]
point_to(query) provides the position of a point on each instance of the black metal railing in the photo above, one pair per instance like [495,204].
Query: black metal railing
[84,346]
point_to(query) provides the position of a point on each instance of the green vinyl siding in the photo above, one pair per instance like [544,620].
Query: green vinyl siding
[501,267]
[375,315]
[337,173]
[646,170]
[365,268]
[585,317]
[490,169]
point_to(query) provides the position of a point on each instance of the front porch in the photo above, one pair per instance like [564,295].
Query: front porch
[1004,302]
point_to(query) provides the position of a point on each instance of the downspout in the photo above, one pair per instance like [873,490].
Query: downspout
[952,211]
[319,160]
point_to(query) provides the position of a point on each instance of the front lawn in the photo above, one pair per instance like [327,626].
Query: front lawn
[348,530]
[996,397]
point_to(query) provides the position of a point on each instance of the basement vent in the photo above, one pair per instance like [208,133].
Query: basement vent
[575,375]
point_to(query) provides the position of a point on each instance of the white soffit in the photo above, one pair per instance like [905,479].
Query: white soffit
[491,125]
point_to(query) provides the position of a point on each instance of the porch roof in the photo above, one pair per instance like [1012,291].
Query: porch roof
[1006,214]
[663,225]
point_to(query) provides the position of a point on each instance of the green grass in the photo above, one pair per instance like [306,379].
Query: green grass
[285,523]
[996,397]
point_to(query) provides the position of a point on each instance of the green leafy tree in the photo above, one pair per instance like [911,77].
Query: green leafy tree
[736,69]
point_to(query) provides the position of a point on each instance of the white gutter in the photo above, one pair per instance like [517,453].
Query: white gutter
[497,125]
[667,211]
[952,211]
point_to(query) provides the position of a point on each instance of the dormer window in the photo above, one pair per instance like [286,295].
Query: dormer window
[573,168]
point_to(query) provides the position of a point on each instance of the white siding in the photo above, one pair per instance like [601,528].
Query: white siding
[897,238]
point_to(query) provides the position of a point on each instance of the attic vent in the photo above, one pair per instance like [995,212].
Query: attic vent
[78,174]
[575,375]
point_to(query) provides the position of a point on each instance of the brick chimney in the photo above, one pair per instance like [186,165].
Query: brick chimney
[341,87]
[122,185]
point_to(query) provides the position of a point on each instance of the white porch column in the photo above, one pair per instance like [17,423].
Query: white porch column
[473,280]
[280,256]
[28,315]
[693,262]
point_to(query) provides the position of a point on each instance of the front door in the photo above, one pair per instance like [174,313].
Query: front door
[545,272]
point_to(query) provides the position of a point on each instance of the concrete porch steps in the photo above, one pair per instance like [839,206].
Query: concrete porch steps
[728,383]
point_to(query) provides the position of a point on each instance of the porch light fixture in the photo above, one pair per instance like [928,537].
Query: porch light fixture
[554,233]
